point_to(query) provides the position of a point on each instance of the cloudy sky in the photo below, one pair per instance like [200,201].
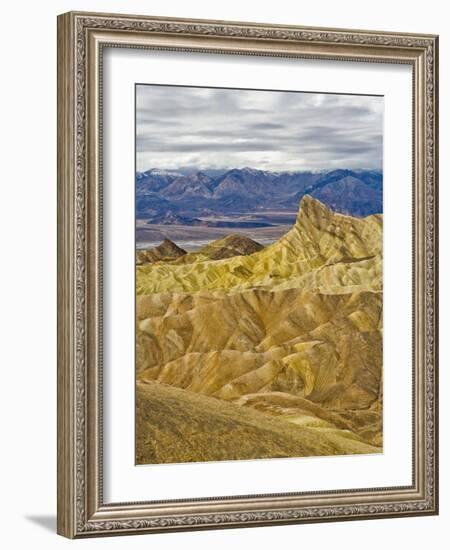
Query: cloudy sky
[227,128]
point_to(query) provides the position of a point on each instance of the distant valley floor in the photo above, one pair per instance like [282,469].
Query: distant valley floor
[193,237]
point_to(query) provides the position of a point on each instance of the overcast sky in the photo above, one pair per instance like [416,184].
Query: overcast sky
[223,128]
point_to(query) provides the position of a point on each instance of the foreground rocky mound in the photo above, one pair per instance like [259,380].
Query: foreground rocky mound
[179,426]
[292,331]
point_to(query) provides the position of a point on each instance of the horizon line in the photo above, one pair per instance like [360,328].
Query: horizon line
[229,168]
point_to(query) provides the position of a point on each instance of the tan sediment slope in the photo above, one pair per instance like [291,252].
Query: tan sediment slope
[180,426]
[293,331]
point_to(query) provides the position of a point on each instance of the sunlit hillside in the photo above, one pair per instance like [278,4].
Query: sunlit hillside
[261,342]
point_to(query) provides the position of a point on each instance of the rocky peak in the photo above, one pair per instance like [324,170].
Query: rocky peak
[234,245]
[167,250]
[315,211]
[336,234]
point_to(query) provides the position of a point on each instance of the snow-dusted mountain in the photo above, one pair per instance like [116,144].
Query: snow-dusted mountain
[249,190]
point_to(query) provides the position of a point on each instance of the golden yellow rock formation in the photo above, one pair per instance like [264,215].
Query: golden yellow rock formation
[292,332]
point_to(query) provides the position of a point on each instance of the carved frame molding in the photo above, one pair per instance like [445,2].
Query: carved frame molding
[81,39]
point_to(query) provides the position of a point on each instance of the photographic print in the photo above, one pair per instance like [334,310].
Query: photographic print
[259,274]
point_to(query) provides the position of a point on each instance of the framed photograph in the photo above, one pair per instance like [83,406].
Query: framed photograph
[247,282]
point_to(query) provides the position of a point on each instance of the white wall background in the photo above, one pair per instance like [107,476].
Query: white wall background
[28,271]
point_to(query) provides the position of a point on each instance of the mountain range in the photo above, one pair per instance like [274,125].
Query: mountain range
[187,198]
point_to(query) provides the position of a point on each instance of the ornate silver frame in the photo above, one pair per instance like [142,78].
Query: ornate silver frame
[81,38]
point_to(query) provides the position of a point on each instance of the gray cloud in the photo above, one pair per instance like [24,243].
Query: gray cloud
[223,128]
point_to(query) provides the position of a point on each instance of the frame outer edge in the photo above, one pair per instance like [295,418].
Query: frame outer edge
[66,489]
[436,164]
[435,214]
